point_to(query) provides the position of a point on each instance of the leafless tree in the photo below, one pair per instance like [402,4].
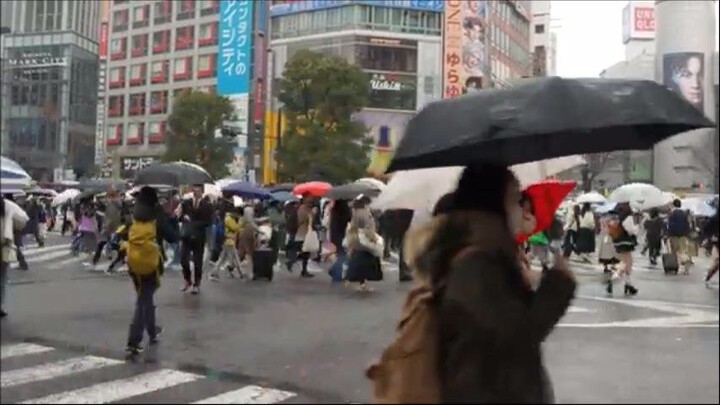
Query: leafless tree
[595,164]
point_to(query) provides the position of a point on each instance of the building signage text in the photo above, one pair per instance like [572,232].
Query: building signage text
[382,82]
[36,60]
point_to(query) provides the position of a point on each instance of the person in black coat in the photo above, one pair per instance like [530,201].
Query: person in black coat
[195,215]
[340,216]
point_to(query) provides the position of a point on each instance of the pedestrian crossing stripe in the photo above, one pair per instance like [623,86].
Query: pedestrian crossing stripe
[118,389]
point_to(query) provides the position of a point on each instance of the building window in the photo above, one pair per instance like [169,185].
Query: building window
[181,91]
[117,78]
[156,132]
[208,7]
[141,16]
[159,72]
[135,133]
[186,10]
[113,134]
[161,42]
[182,69]
[137,104]
[163,11]
[540,29]
[206,66]
[118,49]
[207,34]
[386,58]
[158,102]
[393,92]
[207,89]
[116,106]
[139,45]
[120,21]
[138,74]
[184,37]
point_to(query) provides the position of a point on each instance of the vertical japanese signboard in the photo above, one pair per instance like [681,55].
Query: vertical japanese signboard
[463,46]
[233,67]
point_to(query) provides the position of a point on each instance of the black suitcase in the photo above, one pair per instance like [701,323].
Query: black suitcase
[670,263]
[263,263]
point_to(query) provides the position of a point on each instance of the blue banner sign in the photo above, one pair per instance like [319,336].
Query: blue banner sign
[300,6]
[234,46]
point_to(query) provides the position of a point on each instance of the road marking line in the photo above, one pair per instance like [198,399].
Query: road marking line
[22,349]
[44,258]
[54,370]
[252,394]
[46,249]
[117,390]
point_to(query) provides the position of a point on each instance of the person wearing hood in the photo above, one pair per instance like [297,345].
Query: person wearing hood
[148,216]
[490,322]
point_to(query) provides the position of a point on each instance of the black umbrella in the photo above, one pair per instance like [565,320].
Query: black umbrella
[544,118]
[88,194]
[172,174]
[351,191]
[281,187]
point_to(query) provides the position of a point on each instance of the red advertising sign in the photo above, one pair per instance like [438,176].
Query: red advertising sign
[644,19]
[259,73]
[103,42]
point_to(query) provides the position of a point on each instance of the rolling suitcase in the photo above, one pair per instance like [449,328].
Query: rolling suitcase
[263,263]
[670,261]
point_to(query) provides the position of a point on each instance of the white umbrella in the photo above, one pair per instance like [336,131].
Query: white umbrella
[13,175]
[532,172]
[605,208]
[592,197]
[372,182]
[65,196]
[698,207]
[641,196]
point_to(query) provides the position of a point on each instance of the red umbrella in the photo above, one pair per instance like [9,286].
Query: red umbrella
[314,188]
[546,197]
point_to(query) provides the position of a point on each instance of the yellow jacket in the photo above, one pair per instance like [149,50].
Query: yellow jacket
[232,228]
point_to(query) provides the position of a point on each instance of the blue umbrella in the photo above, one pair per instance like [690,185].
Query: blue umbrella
[246,190]
[284,196]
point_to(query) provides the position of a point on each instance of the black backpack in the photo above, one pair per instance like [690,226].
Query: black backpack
[678,223]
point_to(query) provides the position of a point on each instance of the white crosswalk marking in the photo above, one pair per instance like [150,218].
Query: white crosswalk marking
[156,383]
[119,389]
[22,349]
[252,394]
[54,370]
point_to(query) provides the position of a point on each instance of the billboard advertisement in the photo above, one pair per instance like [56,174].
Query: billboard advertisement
[233,68]
[684,73]
[299,6]
[638,21]
[103,41]
[463,46]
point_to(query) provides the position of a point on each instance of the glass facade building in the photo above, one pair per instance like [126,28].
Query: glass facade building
[50,78]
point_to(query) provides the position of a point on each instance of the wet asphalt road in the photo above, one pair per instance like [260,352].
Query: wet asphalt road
[311,339]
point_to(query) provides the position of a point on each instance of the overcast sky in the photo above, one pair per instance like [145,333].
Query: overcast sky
[589,36]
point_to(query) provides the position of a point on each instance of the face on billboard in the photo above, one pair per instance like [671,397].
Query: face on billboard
[684,74]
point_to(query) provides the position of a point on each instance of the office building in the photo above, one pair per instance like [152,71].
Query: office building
[156,50]
[543,41]
[49,82]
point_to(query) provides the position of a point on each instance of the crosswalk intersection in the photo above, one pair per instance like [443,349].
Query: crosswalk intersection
[40,374]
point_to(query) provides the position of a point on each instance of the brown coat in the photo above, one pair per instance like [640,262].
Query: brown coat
[304,216]
[490,324]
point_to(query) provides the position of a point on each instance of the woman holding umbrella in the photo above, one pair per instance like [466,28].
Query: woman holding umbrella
[623,231]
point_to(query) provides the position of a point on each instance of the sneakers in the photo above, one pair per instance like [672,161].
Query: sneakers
[3,314]
[133,350]
[158,332]
[214,277]
[195,290]
[186,287]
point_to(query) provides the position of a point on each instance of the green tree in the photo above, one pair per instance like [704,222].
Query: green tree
[322,141]
[195,117]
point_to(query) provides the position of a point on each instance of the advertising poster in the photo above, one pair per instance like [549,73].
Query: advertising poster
[463,46]
[684,73]
[233,67]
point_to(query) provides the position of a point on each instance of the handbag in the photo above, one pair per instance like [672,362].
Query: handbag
[377,248]
[311,243]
